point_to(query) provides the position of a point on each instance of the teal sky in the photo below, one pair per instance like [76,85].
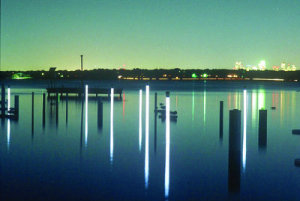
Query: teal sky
[38,34]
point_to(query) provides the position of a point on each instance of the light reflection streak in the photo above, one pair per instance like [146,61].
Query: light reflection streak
[245,130]
[167,164]
[86,114]
[204,105]
[193,105]
[111,124]
[147,138]
[281,106]
[261,99]
[140,119]
[123,105]
[8,133]
[8,100]
[254,106]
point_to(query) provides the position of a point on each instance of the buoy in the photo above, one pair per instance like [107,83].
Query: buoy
[296,131]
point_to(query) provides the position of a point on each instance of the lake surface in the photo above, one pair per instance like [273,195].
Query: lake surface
[134,156]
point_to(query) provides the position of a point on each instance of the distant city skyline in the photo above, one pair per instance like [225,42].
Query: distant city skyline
[130,34]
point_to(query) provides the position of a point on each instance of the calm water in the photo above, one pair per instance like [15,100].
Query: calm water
[73,157]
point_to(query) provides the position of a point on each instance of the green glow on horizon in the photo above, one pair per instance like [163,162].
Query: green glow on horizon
[153,34]
[204,75]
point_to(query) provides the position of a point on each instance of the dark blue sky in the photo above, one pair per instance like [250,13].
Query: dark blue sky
[37,34]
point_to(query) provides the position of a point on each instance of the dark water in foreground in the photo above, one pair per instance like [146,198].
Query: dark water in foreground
[73,158]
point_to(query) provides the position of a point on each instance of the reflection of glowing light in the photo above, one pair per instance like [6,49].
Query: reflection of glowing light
[147,138]
[86,114]
[111,124]
[193,106]
[204,105]
[167,165]
[261,99]
[244,131]
[281,107]
[140,119]
[8,133]
[229,101]
[254,106]
[123,105]
[235,100]
[8,99]
[293,103]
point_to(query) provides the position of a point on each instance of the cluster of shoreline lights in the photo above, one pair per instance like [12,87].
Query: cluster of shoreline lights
[262,66]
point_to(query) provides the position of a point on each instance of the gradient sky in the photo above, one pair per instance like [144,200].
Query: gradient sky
[38,34]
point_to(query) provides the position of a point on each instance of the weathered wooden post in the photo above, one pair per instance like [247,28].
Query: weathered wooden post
[155,101]
[262,129]
[44,108]
[2,101]
[221,119]
[100,113]
[234,157]
[56,108]
[32,112]
[67,104]
[17,107]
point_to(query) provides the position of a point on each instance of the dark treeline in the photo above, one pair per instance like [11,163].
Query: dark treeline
[114,74]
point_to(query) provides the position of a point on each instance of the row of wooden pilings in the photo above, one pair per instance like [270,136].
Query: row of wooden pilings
[99,112]
[235,143]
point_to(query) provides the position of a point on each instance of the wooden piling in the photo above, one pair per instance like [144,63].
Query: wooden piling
[56,108]
[2,100]
[67,105]
[32,112]
[100,113]
[234,154]
[262,129]
[155,101]
[221,119]
[16,107]
[44,108]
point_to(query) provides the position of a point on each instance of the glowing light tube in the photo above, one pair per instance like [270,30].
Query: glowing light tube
[86,115]
[8,133]
[245,130]
[167,164]
[147,138]
[140,119]
[8,99]
[111,124]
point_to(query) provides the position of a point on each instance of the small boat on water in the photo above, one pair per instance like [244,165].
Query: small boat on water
[296,131]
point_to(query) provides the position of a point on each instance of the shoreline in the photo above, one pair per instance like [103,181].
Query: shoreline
[196,85]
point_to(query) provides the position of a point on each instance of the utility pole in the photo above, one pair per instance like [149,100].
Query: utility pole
[81,56]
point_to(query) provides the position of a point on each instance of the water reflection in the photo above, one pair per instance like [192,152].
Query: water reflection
[8,134]
[204,106]
[140,118]
[245,130]
[254,107]
[8,100]
[147,138]
[193,105]
[111,124]
[261,99]
[123,105]
[8,120]
[86,115]
[167,164]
